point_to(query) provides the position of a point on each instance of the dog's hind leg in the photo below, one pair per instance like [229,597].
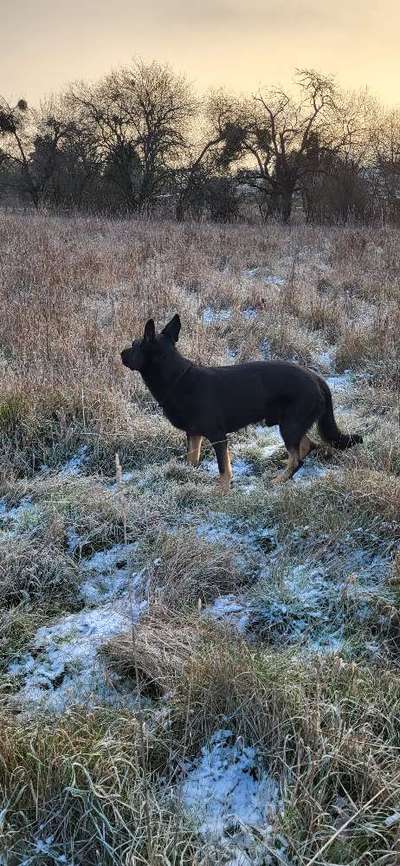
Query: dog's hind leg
[306,445]
[293,435]
[293,429]
[292,466]
[224,464]
[193,449]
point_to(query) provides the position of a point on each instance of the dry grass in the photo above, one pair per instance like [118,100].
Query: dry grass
[73,293]
[328,729]
[309,719]
[160,648]
[373,493]
[32,570]
[83,287]
[188,570]
[83,783]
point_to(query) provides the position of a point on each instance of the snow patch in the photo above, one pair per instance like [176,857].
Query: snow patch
[249,313]
[326,359]
[265,348]
[261,431]
[215,317]
[233,801]
[232,610]
[310,471]
[340,382]
[240,467]
[73,466]
[18,514]
[226,530]
[108,574]
[47,847]
[309,602]
[261,273]
[273,280]
[63,666]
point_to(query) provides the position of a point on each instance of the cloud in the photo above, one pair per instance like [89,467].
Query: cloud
[241,16]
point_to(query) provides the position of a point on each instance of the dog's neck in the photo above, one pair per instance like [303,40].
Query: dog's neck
[161,378]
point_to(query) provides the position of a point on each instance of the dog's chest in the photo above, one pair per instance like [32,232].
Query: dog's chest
[176,417]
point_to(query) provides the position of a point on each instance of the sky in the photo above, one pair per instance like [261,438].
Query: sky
[239,44]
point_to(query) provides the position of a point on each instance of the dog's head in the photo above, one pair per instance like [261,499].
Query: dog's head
[152,348]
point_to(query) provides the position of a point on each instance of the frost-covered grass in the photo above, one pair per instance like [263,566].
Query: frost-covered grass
[188,678]
[232,801]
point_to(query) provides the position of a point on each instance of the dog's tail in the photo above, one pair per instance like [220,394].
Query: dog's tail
[328,428]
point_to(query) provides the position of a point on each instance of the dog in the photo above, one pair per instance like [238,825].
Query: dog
[210,402]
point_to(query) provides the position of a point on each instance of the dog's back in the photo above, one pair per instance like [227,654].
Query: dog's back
[235,396]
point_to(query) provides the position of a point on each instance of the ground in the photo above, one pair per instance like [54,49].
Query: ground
[185,677]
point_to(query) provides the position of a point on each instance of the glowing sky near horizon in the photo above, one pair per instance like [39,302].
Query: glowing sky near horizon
[241,45]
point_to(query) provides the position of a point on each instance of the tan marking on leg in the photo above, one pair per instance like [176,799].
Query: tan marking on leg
[224,481]
[304,447]
[194,448]
[291,467]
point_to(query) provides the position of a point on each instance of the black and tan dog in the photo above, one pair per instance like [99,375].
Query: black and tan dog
[211,402]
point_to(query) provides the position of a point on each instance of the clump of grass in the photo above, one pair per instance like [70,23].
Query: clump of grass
[381,448]
[162,645]
[31,569]
[87,785]
[187,569]
[336,512]
[17,626]
[148,439]
[373,348]
[291,710]
[372,494]
[93,514]
[38,426]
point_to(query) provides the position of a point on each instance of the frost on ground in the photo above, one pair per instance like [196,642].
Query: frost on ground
[215,317]
[45,847]
[263,274]
[17,518]
[232,801]
[75,465]
[232,610]
[108,574]
[340,382]
[312,603]
[63,666]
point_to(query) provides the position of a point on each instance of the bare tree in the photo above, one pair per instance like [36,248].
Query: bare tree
[17,128]
[31,144]
[64,160]
[219,141]
[139,116]
[386,154]
[285,134]
[344,182]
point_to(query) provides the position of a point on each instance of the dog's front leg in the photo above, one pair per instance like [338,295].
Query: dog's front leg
[193,449]
[224,463]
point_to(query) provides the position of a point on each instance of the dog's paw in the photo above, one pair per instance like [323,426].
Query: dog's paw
[222,486]
[280,479]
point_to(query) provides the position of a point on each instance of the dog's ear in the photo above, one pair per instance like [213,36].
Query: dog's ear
[172,329]
[149,331]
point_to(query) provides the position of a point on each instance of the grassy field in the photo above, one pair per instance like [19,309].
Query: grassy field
[185,677]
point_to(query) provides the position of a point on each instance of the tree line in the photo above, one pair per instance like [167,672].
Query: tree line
[141,141]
